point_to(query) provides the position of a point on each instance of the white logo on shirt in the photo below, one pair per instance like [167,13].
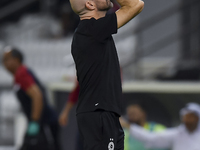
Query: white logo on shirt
[111,145]
[96,104]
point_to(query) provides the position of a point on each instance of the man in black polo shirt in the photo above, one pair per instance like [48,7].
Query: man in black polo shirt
[98,71]
[32,97]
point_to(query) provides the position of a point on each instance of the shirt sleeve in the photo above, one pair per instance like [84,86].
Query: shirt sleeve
[73,97]
[106,26]
[153,139]
[25,80]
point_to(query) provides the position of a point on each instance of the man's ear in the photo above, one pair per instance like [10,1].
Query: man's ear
[90,5]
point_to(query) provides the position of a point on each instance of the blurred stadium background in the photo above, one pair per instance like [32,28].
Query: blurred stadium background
[159,53]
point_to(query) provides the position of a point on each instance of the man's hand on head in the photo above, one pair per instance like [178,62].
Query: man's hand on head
[129,9]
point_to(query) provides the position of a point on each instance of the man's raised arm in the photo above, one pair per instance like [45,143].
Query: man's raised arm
[129,9]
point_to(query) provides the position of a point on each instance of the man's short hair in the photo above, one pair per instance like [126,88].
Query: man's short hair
[17,54]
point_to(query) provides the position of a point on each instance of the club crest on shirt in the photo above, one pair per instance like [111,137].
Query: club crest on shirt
[111,145]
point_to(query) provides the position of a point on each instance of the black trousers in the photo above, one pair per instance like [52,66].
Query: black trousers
[101,130]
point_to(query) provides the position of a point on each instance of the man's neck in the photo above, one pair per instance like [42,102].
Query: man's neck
[96,15]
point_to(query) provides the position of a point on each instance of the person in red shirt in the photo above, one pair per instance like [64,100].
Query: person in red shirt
[72,100]
[63,119]
[32,97]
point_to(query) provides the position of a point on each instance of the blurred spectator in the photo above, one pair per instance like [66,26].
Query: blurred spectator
[73,98]
[136,114]
[184,137]
[43,127]
[63,119]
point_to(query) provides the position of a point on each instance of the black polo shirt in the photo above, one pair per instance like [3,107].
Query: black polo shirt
[97,65]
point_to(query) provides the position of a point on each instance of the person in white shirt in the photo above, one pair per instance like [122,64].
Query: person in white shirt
[184,137]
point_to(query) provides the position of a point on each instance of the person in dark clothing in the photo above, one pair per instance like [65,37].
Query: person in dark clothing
[98,71]
[32,97]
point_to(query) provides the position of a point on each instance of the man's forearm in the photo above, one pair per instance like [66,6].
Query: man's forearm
[37,105]
[69,105]
[35,94]
[129,9]
[128,3]
[161,139]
